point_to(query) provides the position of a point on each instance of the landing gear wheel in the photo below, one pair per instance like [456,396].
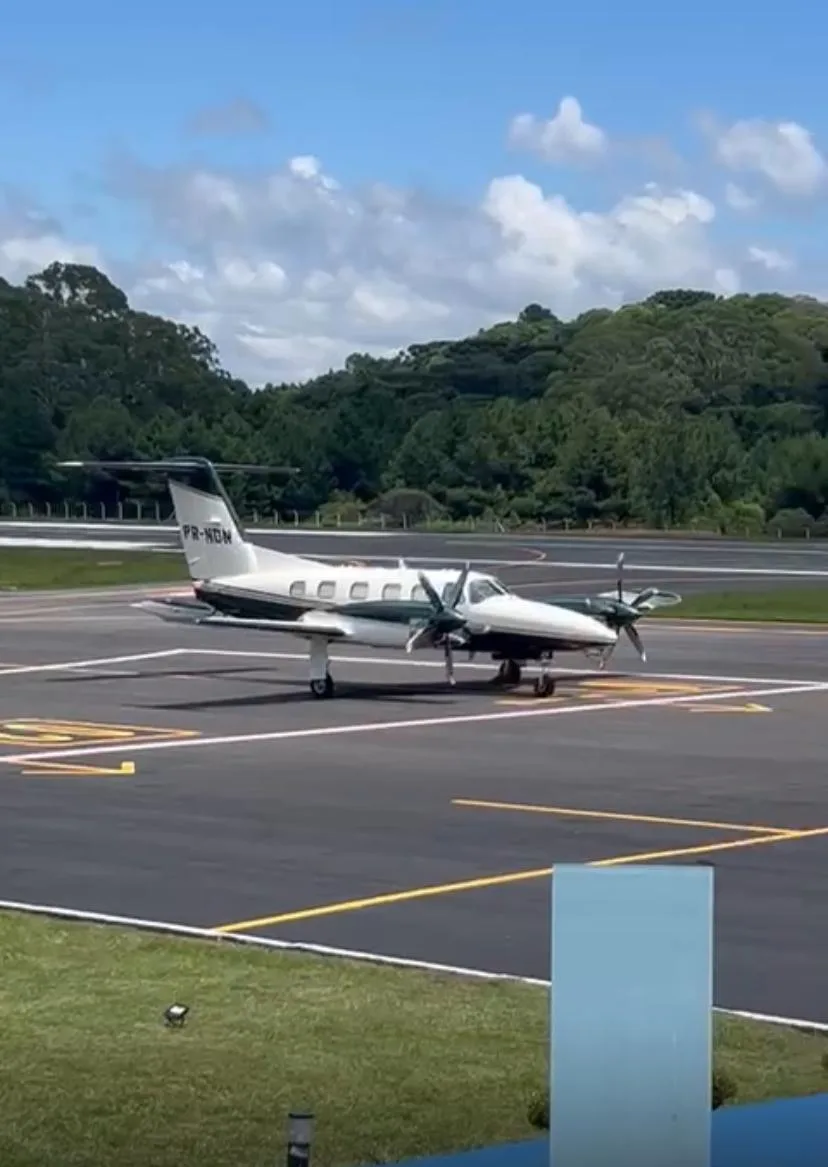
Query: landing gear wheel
[324,688]
[544,686]
[508,675]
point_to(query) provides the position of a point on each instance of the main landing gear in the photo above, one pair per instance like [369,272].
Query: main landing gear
[321,681]
[508,676]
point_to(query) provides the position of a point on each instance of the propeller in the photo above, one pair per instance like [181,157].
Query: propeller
[445,623]
[621,609]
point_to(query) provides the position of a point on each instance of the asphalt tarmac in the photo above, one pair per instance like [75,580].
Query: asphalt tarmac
[168,773]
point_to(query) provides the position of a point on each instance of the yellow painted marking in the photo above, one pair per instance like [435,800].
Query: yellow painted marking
[594,690]
[46,731]
[37,731]
[68,770]
[420,893]
[645,686]
[619,816]
[751,707]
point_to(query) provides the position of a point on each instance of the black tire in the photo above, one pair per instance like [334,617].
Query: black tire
[322,689]
[545,687]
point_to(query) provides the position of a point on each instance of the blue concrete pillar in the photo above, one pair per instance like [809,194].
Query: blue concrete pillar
[631,1016]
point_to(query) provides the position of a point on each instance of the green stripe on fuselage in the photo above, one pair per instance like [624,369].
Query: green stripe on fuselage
[246,605]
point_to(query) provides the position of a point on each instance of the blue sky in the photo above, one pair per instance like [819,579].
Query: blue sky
[413,93]
[410,90]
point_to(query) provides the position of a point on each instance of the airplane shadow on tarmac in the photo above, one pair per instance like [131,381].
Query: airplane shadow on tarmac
[435,692]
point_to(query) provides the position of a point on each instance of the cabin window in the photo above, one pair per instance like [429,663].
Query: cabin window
[297,588]
[391,592]
[359,591]
[447,590]
[483,589]
[326,590]
[418,592]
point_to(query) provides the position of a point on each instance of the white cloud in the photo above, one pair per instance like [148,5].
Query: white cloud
[289,270]
[770,258]
[22,255]
[293,272]
[564,138]
[784,154]
[738,199]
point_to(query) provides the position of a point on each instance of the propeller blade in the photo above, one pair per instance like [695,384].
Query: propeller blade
[632,632]
[424,635]
[456,594]
[643,597]
[619,567]
[430,591]
[449,661]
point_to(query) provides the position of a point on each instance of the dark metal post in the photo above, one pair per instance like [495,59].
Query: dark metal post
[300,1137]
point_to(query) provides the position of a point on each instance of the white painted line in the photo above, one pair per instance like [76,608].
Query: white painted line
[82,664]
[243,939]
[725,627]
[54,621]
[110,593]
[674,569]
[10,612]
[414,723]
[81,544]
[687,569]
[126,525]
[403,662]
[772,1019]
[278,532]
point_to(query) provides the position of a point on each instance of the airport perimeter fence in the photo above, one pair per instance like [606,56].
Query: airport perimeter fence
[133,513]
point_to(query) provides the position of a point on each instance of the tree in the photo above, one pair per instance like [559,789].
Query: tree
[685,409]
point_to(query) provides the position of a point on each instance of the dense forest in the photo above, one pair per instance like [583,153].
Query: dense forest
[685,410]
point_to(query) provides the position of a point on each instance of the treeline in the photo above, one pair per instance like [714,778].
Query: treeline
[684,410]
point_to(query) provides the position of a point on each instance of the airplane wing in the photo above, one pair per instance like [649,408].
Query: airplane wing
[195,613]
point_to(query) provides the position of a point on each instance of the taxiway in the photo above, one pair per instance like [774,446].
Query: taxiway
[542,563]
[171,774]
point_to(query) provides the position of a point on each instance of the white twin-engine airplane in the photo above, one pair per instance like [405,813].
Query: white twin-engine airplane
[239,584]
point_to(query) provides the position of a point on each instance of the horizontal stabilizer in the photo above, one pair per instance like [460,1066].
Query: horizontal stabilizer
[170,465]
[201,615]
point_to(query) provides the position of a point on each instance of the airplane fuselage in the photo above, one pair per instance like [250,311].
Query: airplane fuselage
[379,607]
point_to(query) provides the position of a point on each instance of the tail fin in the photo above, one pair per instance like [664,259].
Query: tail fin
[213,542]
[211,533]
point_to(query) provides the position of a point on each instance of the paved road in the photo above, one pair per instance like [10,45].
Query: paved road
[313,804]
[560,562]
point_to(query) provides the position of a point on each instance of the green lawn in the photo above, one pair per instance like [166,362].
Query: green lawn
[40,567]
[394,1063]
[792,605]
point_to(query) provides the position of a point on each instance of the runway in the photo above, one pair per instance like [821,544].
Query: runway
[166,773]
[543,564]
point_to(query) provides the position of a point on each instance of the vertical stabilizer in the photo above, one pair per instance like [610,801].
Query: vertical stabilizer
[210,534]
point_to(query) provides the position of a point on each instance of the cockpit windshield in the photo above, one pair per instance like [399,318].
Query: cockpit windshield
[483,589]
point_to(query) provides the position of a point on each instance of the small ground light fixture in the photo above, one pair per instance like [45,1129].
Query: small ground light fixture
[300,1137]
[175,1015]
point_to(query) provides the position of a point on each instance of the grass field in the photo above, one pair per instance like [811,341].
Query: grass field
[37,567]
[791,605]
[394,1063]
[34,567]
